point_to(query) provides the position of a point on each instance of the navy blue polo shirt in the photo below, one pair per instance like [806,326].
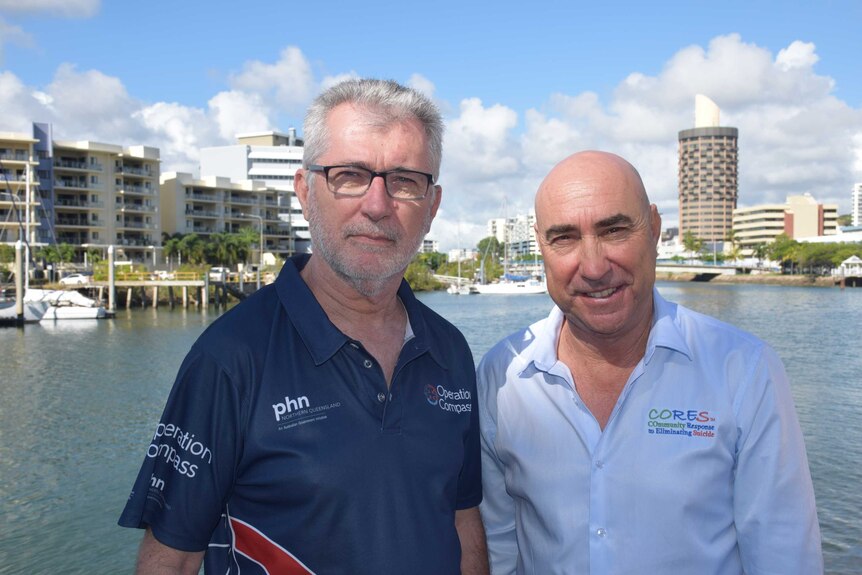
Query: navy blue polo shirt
[282,449]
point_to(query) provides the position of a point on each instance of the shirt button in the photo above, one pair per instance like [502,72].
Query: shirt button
[601,532]
[381,397]
[367,363]
[600,464]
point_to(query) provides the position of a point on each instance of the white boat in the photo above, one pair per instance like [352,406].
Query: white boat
[33,311]
[65,304]
[511,287]
[456,289]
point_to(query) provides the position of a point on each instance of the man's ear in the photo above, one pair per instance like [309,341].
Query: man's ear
[300,187]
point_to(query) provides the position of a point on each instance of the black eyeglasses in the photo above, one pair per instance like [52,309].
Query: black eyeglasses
[354,181]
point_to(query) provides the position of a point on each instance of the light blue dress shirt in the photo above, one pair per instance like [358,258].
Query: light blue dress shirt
[701,468]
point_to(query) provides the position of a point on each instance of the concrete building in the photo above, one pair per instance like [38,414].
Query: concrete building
[271,158]
[518,232]
[215,204]
[799,217]
[856,207]
[85,194]
[19,189]
[429,246]
[106,194]
[708,175]
[461,254]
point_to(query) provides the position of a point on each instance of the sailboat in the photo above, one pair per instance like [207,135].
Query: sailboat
[459,287]
[509,284]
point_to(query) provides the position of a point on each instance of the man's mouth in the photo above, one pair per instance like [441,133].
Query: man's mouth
[600,294]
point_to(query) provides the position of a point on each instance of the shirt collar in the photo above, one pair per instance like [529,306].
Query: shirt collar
[665,332]
[320,336]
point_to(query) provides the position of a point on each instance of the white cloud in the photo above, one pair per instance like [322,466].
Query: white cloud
[795,136]
[287,84]
[60,8]
[797,55]
[422,84]
[239,112]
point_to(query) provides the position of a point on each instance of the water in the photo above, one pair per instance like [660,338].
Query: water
[79,400]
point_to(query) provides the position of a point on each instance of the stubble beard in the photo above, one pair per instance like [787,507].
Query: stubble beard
[368,281]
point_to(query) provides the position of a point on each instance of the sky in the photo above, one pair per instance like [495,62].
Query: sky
[520,85]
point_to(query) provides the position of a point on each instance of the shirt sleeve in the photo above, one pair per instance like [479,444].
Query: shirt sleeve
[774,509]
[188,471]
[498,508]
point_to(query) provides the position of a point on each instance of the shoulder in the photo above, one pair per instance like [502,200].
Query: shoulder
[701,329]
[517,351]
[238,340]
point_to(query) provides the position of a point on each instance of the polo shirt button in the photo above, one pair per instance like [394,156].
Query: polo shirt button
[601,532]
[600,464]
[367,363]
[381,397]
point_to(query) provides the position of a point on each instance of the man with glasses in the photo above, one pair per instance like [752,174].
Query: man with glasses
[328,423]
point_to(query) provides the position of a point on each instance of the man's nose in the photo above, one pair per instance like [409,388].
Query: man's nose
[376,203]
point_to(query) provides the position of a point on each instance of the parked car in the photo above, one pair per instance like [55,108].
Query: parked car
[75,280]
[219,274]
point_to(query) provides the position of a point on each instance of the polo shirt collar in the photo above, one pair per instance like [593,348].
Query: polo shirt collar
[320,336]
[665,332]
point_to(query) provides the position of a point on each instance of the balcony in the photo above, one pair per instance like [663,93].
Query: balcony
[77,203]
[136,226]
[201,213]
[137,208]
[14,156]
[74,184]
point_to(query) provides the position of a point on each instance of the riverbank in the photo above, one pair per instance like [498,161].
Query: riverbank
[757,279]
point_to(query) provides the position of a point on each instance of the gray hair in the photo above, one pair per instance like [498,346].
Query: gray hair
[385,101]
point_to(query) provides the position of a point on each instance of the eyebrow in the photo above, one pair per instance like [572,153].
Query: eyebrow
[608,222]
[614,220]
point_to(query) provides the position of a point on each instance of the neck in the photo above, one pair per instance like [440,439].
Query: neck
[620,351]
[350,307]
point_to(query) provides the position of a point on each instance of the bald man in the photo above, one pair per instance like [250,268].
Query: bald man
[625,434]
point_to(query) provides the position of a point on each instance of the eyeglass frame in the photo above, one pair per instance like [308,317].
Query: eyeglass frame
[325,171]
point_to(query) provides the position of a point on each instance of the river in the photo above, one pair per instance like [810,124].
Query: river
[79,401]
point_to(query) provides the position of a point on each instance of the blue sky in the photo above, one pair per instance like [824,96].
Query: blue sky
[521,85]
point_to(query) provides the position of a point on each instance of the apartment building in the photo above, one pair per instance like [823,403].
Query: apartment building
[799,217]
[86,194]
[216,204]
[19,189]
[708,174]
[517,232]
[105,194]
[271,158]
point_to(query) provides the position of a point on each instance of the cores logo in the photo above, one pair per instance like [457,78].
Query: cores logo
[685,422]
[455,401]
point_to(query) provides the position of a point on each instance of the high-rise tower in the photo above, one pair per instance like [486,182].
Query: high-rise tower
[708,167]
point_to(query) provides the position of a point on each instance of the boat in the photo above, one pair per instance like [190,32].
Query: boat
[457,289]
[511,285]
[33,312]
[508,284]
[65,304]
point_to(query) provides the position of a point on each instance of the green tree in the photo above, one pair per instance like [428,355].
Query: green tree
[420,277]
[56,254]
[193,249]
[7,254]
[172,246]
[490,247]
[784,249]
[691,243]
